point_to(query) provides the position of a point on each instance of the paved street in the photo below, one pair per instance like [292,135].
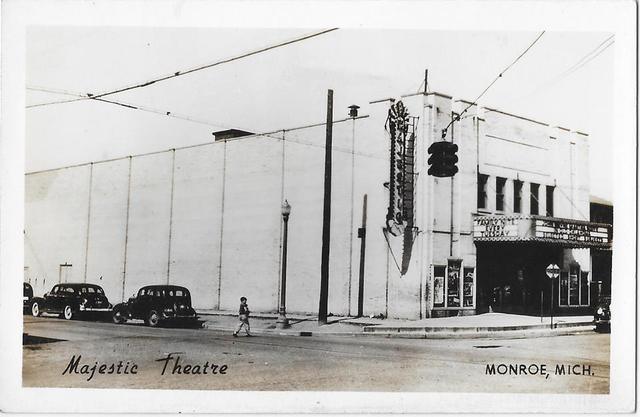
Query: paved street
[273,362]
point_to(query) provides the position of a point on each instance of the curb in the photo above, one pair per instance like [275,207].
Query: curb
[422,334]
[261,316]
[506,334]
[279,332]
[478,329]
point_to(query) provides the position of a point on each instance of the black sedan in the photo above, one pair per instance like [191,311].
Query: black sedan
[602,315]
[156,304]
[27,297]
[71,300]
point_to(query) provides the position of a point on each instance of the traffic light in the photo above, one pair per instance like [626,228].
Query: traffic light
[443,159]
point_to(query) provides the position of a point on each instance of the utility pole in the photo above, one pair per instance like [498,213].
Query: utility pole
[326,215]
[426,81]
[362,234]
[451,207]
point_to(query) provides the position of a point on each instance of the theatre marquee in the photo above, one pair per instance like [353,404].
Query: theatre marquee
[564,232]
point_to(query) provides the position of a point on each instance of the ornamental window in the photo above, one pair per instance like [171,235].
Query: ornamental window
[535,188]
[517,196]
[500,185]
[482,191]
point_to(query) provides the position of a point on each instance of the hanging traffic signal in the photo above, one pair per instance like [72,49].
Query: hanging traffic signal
[443,159]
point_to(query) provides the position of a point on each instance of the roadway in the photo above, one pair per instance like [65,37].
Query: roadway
[318,363]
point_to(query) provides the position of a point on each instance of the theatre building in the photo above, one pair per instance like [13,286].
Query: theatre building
[403,243]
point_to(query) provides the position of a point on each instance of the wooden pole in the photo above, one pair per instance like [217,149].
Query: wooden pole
[283,322]
[426,80]
[326,215]
[363,236]
[552,279]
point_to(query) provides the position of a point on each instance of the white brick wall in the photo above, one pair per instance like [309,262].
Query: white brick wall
[222,253]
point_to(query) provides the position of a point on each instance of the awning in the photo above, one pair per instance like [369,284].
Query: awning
[552,230]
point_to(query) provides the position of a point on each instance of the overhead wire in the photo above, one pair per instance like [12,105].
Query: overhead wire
[175,74]
[444,131]
[269,134]
[130,106]
[602,46]
[572,203]
[584,60]
[386,237]
[48,103]
[591,58]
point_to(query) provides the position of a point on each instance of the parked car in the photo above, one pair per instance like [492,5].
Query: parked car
[602,315]
[156,304]
[27,297]
[70,300]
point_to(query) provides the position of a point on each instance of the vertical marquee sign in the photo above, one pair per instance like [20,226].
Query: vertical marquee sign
[400,213]
[398,127]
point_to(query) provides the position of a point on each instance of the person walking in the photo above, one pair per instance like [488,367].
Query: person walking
[243,317]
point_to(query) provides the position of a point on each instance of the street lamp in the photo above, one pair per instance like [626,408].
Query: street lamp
[283,322]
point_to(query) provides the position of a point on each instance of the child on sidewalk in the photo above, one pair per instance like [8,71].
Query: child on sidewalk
[243,317]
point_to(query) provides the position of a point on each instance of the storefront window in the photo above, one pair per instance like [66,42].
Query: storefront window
[574,290]
[467,287]
[574,287]
[438,286]
[584,288]
[453,284]
[564,288]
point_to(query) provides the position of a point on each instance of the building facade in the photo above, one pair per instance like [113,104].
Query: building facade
[601,211]
[208,217]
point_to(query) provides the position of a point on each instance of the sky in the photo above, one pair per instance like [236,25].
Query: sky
[287,87]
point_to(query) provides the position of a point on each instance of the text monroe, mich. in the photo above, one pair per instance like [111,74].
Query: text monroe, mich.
[537,369]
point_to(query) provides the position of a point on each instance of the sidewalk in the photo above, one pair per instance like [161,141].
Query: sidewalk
[489,325]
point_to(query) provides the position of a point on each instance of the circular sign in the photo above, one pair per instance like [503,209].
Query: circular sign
[553,271]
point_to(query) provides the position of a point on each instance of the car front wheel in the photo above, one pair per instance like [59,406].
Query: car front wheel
[153,319]
[67,313]
[35,309]
[118,317]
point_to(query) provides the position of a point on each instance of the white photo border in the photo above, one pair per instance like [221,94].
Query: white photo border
[606,16]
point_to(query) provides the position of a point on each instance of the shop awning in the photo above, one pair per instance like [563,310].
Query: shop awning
[552,230]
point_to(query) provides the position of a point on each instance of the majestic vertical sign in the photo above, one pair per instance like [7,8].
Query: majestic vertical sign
[400,213]
[398,127]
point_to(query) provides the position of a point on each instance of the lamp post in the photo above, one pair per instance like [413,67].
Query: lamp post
[283,322]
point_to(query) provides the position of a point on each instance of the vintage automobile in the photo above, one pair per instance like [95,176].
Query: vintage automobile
[156,304]
[27,297]
[602,314]
[70,300]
